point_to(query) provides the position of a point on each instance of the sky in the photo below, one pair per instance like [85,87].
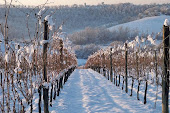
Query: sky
[88,2]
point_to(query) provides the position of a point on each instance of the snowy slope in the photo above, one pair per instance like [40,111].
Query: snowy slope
[81,62]
[88,92]
[146,25]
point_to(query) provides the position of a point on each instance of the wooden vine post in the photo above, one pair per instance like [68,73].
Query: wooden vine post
[165,78]
[61,54]
[111,67]
[104,66]
[137,69]
[126,79]
[45,90]
[156,68]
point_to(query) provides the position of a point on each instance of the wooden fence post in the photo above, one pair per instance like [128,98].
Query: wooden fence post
[132,86]
[104,70]
[123,82]
[137,69]
[146,86]
[137,65]
[55,88]
[165,78]
[108,74]
[156,68]
[119,80]
[114,76]
[116,80]
[51,95]
[111,67]
[39,103]
[61,54]
[138,90]
[126,79]
[58,87]
[45,90]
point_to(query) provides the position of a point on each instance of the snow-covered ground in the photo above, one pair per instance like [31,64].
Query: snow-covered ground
[81,62]
[146,25]
[153,96]
[88,92]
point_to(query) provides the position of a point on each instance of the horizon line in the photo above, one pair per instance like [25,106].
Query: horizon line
[102,3]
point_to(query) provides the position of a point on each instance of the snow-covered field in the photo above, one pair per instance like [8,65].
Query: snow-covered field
[147,25]
[153,96]
[81,62]
[88,92]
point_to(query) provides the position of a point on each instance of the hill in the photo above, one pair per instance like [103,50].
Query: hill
[77,17]
[128,31]
[147,25]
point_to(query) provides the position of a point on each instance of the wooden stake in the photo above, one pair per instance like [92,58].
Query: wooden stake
[165,78]
[111,67]
[45,90]
[126,79]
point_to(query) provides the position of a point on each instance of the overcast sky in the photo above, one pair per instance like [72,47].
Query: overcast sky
[70,2]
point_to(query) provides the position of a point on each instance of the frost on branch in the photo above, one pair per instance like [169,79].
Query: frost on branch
[61,28]
[40,12]
[26,53]
[30,50]
[166,22]
[137,39]
[42,42]
[7,57]
[153,42]
[50,21]
[151,39]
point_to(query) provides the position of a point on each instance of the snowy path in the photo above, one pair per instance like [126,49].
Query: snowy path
[87,92]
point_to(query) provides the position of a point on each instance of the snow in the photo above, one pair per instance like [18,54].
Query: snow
[29,49]
[140,42]
[50,21]
[61,28]
[40,12]
[166,22]
[132,44]
[46,85]
[7,57]
[42,42]
[81,62]
[151,39]
[137,39]
[146,25]
[88,92]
